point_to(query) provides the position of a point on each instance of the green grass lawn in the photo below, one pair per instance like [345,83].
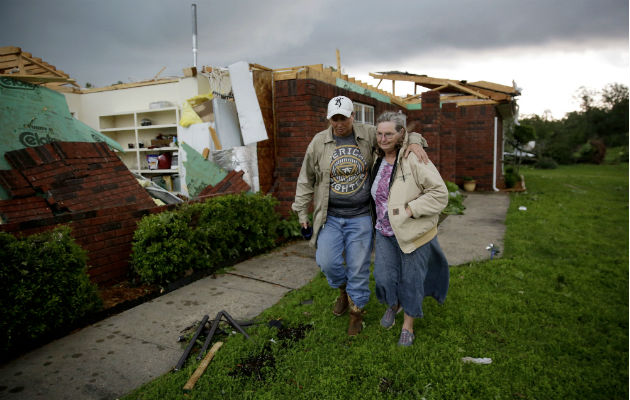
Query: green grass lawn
[551,313]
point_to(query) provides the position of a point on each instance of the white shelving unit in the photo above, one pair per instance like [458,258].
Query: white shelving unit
[127,129]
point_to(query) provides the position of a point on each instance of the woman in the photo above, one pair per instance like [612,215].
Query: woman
[409,196]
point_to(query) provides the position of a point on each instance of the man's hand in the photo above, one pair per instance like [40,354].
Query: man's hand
[418,151]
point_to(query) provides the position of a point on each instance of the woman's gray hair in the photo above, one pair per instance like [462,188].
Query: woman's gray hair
[400,123]
[399,119]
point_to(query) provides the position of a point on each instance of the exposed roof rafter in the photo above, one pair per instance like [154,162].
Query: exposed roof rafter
[16,64]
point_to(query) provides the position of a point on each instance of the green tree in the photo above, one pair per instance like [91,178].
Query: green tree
[583,135]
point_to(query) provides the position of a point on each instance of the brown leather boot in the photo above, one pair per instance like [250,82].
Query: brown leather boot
[341,305]
[356,319]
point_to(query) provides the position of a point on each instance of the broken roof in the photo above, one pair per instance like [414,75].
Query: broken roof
[16,64]
[32,115]
[67,177]
[461,92]
[457,91]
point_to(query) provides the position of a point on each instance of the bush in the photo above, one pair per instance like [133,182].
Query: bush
[510,177]
[455,204]
[161,247]
[546,163]
[615,155]
[290,228]
[204,236]
[592,152]
[46,286]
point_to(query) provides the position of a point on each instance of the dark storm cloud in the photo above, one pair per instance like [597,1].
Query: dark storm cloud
[106,41]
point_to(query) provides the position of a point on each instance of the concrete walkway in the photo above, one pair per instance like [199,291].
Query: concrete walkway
[114,356]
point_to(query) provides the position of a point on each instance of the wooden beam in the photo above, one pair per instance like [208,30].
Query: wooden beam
[202,367]
[258,66]
[494,87]
[422,80]
[44,65]
[338,61]
[462,89]
[158,74]
[473,103]
[282,76]
[9,50]
[10,59]
[38,78]
[130,85]
[495,95]
[457,97]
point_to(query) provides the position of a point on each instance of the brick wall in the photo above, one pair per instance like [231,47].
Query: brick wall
[461,139]
[106,235]
[475,145]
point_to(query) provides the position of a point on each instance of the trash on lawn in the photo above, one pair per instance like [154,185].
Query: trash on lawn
[477,360]
[213,329]
[202,367]
[493,250]
[522,208]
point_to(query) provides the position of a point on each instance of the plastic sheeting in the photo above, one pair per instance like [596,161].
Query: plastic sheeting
[242,158]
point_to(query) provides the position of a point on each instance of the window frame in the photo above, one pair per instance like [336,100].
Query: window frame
[360,113]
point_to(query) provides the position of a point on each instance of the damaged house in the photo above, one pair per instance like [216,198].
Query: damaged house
[209,132]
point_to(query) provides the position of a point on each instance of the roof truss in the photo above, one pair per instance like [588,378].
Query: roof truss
[452,90]
[15,63]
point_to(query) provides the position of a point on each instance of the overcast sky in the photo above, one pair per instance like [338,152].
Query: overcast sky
[550,48]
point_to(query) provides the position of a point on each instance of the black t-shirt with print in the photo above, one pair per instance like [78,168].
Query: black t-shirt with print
[349,183]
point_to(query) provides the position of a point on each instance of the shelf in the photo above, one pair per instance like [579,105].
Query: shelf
[130,128]
[164,126]
[159,149]
[126,128]
[145,111]
[156,171]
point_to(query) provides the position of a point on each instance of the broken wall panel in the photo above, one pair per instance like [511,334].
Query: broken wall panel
[249,116]
[227,123]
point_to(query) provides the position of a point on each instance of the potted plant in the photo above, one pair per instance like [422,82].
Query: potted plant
[469,184]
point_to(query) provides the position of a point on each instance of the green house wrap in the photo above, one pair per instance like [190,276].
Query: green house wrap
[32,115]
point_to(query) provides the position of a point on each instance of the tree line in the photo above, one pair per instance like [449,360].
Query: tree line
[581,136]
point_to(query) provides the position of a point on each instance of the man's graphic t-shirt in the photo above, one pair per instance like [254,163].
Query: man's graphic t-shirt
[349,183]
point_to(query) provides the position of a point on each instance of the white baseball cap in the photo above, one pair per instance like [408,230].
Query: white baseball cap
[340,105]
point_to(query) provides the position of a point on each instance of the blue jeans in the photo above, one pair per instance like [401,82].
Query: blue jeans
[406,279]
[347,240]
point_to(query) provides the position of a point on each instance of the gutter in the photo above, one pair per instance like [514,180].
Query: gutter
[494,158]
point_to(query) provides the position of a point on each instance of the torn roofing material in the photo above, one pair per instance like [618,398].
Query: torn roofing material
[33,115]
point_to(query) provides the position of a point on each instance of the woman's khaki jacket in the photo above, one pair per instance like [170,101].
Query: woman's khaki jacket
[420,187]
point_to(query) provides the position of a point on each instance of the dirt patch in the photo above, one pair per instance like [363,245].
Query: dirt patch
[124,293]
[257,366]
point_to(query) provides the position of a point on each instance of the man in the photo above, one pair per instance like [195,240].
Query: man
[335,176]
